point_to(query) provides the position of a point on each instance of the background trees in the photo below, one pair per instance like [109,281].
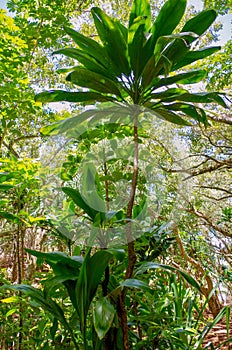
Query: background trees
[198,242]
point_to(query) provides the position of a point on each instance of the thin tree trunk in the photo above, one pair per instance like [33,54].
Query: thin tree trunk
[214,303]
[121,309]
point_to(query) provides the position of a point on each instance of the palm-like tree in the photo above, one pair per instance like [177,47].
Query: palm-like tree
[139,65]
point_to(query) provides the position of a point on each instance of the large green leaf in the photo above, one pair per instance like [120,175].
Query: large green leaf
[85,78]
[103,316]
[90,46]
[141,9]
[9,216]
[114,38]
[46,303]
[167,19]
[78,199]
[61,95]
[136,51]
[135,283]
[200,23]
[204,97]
[65,125]
[85,59]
[57,257]
[96,115]
[151,265]
[89,190]
[192,77]
[169,93]
[190,110]
[170,116]
[5,187]
[89,279]
[192,56]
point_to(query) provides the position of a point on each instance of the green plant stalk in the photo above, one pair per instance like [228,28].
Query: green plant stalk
[122,313]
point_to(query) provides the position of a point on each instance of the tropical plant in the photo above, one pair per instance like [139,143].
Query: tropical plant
[136,66]
[132,73]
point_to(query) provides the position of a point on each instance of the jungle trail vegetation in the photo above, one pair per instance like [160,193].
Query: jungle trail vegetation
[115,182]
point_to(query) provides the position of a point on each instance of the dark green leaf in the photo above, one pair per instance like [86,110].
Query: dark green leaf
[189,110]
[103,316]
[151,265]
[61,95]
[170,116]
[9,216]
[85,78]
[205,97]
[200,23]
[136,52]
[91,47]
[80,201]
[135,283]
[167,19]
[114,38]
[141,9]
[5,187]
[193,56]
[172,92]
[182,78]
[86,60]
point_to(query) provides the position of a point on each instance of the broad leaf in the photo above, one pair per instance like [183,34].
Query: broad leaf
[200,23]
[114,37]
[78,199]
[85,78]
[90,46]
[190,110]
[204,97]
[167,19]
[46,303]
[85,59]
[170,116]
[151,265]
[61,95]
[193,56]
[65,125]
[192,77]
[57,257]
[135,283]
[103,316]
[141,9]
[136,52]
[5,187]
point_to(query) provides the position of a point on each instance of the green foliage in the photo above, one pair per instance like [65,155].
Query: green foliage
[136,61]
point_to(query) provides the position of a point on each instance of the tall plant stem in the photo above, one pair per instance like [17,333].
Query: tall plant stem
[122,313]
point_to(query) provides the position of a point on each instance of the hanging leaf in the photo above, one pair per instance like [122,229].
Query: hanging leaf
[85,78]
[204,97]
[193,56]
[55,257]
[170,116]
[103,316]
[192,77]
